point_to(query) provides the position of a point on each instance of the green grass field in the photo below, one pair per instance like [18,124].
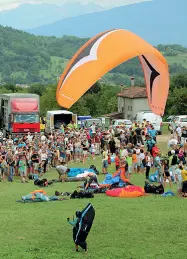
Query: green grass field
[139,228]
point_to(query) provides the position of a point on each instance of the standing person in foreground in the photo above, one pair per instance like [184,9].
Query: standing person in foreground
[81,226]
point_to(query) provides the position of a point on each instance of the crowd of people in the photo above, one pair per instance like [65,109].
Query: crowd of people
[135,148]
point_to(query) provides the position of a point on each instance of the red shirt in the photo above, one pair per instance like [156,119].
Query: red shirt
[155,151]
[97,139]
[117,161]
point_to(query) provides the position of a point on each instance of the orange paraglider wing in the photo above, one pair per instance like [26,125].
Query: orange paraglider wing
[103,53]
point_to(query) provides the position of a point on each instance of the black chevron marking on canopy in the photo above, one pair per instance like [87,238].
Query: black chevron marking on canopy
[154,75]
[85,52]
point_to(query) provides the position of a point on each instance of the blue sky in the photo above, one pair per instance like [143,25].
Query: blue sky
[9,4]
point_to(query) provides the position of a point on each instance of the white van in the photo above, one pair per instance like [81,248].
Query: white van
[154,119]
[54,119]
[181,120]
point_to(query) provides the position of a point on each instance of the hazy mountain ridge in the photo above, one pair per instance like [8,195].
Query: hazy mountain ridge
[28,16]
[157,21]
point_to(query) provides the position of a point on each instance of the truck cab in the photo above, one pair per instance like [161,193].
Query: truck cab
[19,113]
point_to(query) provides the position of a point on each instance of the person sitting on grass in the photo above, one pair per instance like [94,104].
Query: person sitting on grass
[62,171]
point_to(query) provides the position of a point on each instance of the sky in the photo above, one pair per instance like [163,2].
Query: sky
[9,4]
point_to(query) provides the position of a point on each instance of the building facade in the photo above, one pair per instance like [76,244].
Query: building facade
[132,100]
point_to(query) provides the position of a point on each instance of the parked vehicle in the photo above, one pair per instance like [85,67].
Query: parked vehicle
[181,120]
[154,119]
[118,125]
[170,118]
[82,119]
[89,122]
[19,113]
[105,122]
[54,119]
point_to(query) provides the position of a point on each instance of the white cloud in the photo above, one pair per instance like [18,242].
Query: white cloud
[8,4]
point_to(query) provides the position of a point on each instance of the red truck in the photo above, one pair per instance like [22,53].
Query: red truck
[19,113]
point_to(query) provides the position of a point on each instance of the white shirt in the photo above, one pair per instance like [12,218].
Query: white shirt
[148,161]
[43,138]
[43,156]
[85,174]
[93,147]
[61,169]
[178,130]
[93,129]
[172,142]
[29,137]
[9,141]
[124,153]
[142,156]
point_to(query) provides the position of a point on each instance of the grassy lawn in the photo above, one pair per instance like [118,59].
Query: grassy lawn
[140,228]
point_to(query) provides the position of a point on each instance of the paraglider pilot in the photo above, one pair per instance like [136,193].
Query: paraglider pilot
[81,226]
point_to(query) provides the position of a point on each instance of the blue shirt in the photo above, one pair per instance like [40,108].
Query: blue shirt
[21,145]
[152,132]
[157,160]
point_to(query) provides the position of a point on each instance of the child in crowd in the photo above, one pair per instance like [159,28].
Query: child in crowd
[148,160]
[117,161]
[22,169]
[166,173]
[129,162]
[4,168]
[134,161]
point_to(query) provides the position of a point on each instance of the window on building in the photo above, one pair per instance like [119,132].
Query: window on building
[129,108]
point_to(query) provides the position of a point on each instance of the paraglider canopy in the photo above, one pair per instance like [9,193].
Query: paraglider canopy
[103,53]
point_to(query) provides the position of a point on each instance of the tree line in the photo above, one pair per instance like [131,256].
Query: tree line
[102,98]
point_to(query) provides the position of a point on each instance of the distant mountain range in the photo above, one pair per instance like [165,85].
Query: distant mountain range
[157,21]
[28,16]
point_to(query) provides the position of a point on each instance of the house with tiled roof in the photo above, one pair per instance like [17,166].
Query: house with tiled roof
[132,100]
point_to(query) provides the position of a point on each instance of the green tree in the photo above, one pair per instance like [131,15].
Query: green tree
[178,81]
[177,102]
[48,100]
[37,89]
